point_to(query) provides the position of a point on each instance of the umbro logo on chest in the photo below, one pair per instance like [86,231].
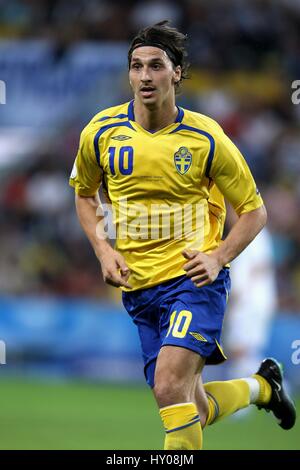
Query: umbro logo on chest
[121,137]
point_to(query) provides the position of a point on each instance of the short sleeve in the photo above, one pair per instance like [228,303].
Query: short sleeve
[86,175]
[233,177]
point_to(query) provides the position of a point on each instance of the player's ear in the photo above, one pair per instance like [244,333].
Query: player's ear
[177,74]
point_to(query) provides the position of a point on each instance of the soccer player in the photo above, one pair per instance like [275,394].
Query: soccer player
[166,171]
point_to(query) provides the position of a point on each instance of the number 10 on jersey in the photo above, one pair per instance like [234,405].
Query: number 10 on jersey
[123,160]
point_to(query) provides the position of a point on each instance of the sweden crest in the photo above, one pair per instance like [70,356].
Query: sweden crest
[182,160]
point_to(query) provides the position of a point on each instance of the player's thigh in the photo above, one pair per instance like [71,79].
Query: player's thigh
[143,308]
[179,362]
[150,342]
[192,317]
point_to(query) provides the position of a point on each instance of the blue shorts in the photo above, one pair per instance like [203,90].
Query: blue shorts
[180,314]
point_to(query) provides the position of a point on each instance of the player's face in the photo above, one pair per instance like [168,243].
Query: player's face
[152,75]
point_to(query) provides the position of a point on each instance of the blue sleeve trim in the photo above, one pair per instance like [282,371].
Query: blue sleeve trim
[211,141]
[118,116]
[101,131]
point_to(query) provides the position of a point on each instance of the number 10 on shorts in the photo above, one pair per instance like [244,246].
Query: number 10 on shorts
[179,323]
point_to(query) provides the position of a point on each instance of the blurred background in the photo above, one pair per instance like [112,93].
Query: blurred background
[70,369]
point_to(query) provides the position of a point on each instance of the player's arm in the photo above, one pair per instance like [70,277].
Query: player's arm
[233,177]
[86,179]
[242,233]
[114,269]
[203,269]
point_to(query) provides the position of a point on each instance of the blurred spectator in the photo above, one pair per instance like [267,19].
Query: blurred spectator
[152,11]
[252,305]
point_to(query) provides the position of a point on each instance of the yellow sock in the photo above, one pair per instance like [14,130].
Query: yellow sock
[265,390]
[225,398]
[182,426]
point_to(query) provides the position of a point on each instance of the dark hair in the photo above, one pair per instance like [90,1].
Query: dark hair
[167,38]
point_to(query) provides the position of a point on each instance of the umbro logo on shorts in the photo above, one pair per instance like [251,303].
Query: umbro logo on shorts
[198,336]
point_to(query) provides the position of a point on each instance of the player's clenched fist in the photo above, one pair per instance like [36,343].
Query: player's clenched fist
[203,269]
[114,269]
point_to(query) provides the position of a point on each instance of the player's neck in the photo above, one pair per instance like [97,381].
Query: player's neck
[156,118]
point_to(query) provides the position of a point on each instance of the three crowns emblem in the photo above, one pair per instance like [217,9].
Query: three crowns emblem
[182,160]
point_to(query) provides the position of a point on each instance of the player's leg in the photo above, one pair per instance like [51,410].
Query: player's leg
[201,400]
[264,389]
[224,398]
[177,370]
[190,324]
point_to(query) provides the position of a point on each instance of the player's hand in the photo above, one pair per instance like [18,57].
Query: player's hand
[114,269]
[201,268]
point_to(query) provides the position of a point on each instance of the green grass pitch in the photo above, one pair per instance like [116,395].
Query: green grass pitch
[39,415]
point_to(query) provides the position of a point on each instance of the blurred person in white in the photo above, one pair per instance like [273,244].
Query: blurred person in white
[252,304]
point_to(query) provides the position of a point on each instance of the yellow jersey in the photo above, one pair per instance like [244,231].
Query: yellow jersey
[166,188]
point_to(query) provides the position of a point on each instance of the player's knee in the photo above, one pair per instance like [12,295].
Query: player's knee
[170,389]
